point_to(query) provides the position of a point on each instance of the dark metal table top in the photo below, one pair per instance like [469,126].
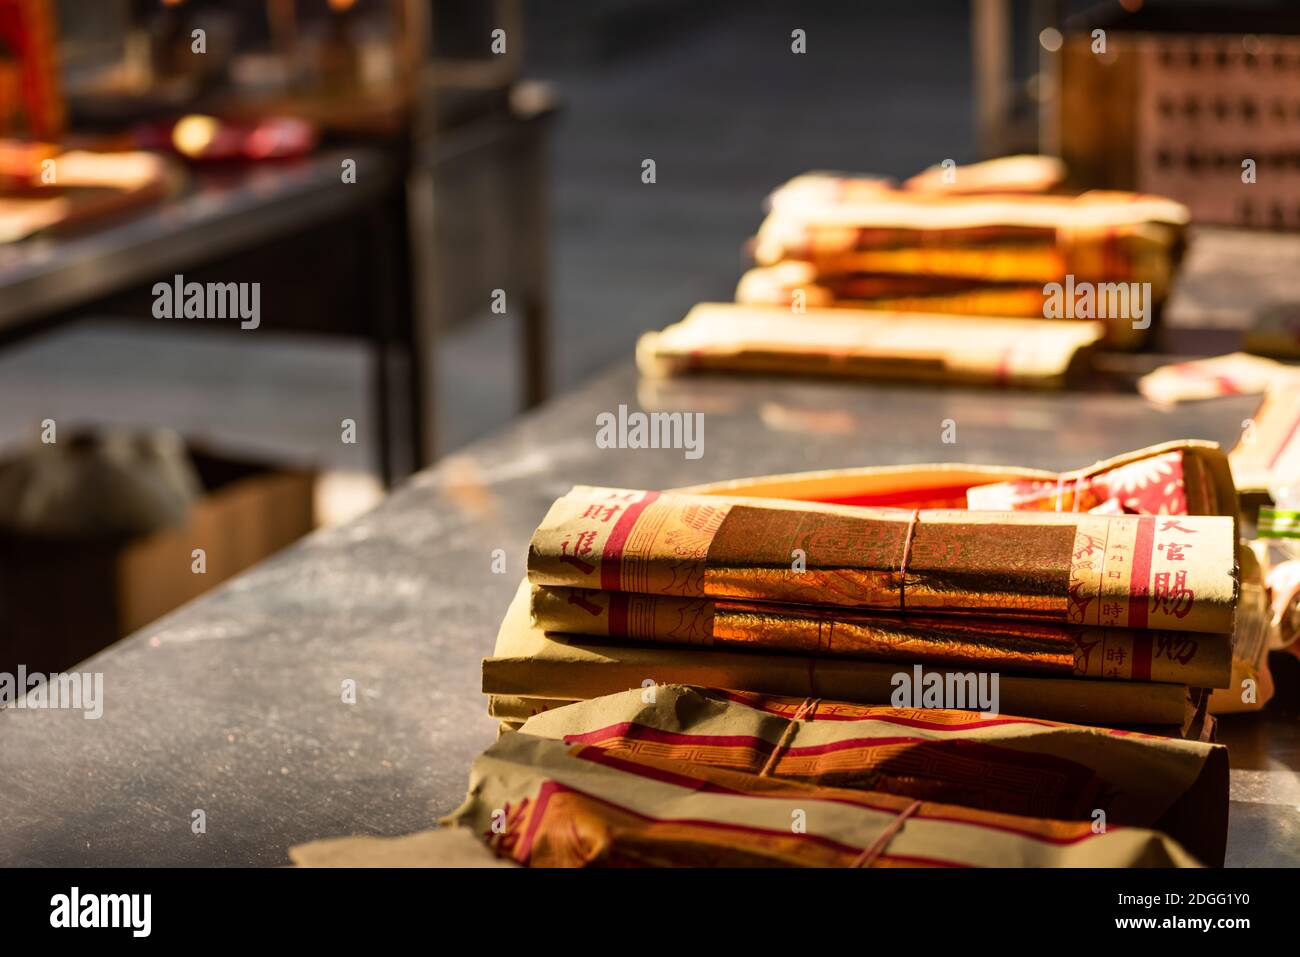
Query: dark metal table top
[233,704]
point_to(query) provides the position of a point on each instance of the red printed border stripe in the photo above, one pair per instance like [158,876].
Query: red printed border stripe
[611,561]
[1140,584]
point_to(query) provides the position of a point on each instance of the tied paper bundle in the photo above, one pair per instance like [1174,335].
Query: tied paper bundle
[1198,660]
[1177,479]
[870,344]
[1010,765]
[543,803]
[532,670]
[1106,571]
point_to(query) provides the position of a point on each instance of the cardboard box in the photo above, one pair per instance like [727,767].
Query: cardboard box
[63,599]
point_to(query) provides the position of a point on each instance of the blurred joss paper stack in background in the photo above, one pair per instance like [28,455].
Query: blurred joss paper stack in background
[980,240]
[934,269]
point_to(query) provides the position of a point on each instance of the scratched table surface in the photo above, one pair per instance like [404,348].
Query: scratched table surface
[233,705]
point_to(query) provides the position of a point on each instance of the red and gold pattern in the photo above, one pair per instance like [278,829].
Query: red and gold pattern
[1167,484]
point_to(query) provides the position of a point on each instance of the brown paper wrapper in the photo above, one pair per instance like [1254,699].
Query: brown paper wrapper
[1250,686]
[1006,764]
[870,344]
[543,803]
[528,663]
[516,709]
[1170,573]
[982,643]
[442,847]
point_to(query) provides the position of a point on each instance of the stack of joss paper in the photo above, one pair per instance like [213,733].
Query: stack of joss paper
[984,240]
[978,275]
[679,775]
[1100,596]
[710,678]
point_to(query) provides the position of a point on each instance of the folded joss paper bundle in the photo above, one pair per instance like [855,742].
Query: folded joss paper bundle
[834,259]
[1199,660]
[1097,236]
[530,669]
[794,283]
[678,775]
[866,343]
[997,763]
[1021,173]
[546,803]
[1024,173]
[550,650]
[1136,571]
[1094,234]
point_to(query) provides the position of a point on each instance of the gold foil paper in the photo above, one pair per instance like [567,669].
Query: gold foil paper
[1167,573]
[530,663]
[980,643]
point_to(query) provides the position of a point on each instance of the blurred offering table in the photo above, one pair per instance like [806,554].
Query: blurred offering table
[331,257]
[419,238]
[235,704]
